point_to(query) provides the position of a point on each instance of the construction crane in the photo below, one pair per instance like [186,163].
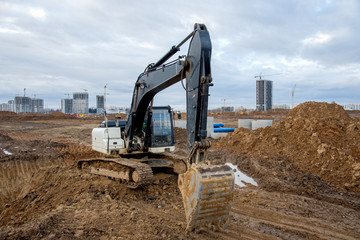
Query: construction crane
[292,96]
[261,76]
[105,96]
[224,99]
[68,94]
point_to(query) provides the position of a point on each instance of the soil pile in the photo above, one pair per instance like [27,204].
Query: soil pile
[317,138]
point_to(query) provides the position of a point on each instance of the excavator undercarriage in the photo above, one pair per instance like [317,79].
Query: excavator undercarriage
[133,173]
[136,170]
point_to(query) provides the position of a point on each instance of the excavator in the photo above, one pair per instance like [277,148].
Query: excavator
[145,141]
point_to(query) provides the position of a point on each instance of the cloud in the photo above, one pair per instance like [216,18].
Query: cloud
[52,48]
[13,30]
[319,38]
[37,13]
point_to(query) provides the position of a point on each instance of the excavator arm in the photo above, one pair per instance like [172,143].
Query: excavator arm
[149,83]
[198,81]
[158,76]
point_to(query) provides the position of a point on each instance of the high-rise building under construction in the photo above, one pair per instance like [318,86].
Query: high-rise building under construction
[264,92]
[66,105]
[100,103]
[80,103]
[22,104]
[37,105]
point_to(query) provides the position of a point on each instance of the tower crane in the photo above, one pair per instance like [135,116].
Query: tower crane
[292,96]
[261,76]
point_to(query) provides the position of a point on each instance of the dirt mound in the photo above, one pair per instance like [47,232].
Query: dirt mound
[320,111]
[5,116]
[317,138]
[57,114]
[6,113]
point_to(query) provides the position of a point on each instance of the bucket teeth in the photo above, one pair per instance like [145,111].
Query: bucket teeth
[207,193]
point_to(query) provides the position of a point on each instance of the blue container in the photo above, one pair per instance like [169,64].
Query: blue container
[223,129]
[218,125]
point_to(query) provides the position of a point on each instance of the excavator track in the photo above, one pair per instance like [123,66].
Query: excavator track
[207,192]
[134,173]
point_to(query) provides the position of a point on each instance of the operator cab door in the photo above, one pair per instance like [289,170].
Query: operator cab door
[162,130]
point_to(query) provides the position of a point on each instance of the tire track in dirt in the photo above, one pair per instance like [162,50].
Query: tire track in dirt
[233,231]
[176,219]
[294,224]
[242,232]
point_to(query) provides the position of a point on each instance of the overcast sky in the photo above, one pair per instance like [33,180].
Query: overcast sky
[52,48]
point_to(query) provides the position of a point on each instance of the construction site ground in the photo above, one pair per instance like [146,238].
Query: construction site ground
[307,167]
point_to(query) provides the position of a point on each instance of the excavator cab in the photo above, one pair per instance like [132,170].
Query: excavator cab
[161,130]
[162,127]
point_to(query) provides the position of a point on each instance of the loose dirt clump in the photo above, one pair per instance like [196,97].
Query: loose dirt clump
[316,138]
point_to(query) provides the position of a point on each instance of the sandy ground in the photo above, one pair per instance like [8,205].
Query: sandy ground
[44,196]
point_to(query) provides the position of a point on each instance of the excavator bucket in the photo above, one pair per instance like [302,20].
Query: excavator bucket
[207,193]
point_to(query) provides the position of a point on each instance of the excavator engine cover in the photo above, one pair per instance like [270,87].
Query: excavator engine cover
[207,192]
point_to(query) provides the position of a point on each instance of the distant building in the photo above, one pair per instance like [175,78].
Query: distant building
[114,109]
[100,103]
[66,106]
[37,105]
[240,108]
[222,109]
[351,106]
[281,106]
[228,109]
[9,107]
[80,104]
[264,92]
[5,107]
[22,104]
